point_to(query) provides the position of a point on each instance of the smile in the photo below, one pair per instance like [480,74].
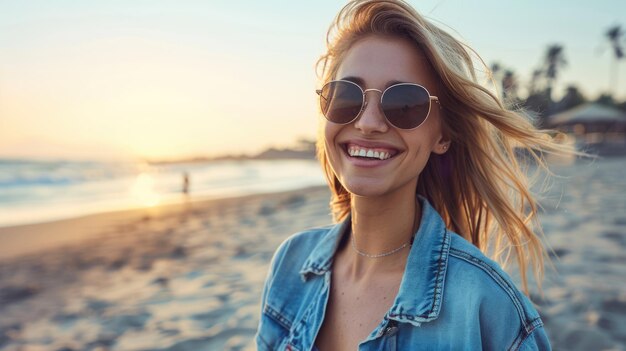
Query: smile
[372,153]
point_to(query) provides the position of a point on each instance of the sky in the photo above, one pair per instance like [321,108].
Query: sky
[174,79]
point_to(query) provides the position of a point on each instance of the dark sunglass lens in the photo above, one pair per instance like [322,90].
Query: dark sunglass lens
[406,106]
[341,101]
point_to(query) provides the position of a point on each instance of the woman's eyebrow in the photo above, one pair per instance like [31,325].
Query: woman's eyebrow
[361,82]
[394,82]
[356,80]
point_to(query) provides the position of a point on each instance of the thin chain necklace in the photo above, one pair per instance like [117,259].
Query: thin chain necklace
[388,253]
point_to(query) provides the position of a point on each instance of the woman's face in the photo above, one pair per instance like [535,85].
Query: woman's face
[374,63]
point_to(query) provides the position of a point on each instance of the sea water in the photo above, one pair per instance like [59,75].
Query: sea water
[39,191]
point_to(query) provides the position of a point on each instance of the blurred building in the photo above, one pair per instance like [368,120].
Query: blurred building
[596,127]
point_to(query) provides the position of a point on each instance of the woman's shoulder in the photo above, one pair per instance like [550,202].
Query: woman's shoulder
[285,291]
[473,278]
[467,259]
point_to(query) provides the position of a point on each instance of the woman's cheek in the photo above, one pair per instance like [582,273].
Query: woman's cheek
[332,152]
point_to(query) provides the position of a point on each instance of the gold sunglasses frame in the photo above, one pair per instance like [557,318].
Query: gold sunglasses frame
[431,98]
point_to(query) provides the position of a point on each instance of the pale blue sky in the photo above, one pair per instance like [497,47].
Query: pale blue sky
[169,79]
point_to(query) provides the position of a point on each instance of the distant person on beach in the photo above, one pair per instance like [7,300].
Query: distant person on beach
[429,195]
[186,183]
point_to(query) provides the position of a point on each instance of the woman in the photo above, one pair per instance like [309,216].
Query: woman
[415,151]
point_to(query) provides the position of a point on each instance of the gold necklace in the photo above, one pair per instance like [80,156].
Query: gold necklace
[388,253]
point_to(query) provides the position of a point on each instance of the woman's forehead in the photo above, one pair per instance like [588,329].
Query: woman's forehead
[377,61]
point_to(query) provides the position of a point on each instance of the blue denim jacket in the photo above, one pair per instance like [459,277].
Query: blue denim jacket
[451,296]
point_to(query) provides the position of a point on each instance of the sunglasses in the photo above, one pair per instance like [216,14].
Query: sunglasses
[405,105]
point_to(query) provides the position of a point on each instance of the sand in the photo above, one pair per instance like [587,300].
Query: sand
[189,276]
[584,219]
[186,277]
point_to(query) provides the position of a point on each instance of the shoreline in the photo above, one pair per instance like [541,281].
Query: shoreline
[26,239]
[73,189]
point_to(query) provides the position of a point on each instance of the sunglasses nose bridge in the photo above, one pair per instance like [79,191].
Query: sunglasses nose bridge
[366,90]
[371,123]
[365,98]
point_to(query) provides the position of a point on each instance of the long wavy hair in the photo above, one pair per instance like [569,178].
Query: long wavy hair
[480,186]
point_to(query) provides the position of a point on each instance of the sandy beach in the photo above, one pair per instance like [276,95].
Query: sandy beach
[183,277]
[189,276]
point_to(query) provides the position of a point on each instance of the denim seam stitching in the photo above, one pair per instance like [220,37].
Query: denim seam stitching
[519,340]
[438,282]
[439,276]
[275,315]
[313,266]
[496,277]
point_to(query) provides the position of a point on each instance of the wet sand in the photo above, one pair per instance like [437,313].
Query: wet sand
[189,276]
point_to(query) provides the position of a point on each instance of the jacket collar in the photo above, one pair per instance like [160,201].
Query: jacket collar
[421,290]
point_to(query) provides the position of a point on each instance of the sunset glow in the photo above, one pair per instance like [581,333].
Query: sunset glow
[111,80]
[143,191]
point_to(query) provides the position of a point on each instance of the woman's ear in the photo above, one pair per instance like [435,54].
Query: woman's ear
[442,146]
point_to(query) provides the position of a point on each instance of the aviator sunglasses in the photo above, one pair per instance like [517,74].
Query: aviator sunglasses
[405,105]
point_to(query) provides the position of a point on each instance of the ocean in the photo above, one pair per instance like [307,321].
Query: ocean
[41,191]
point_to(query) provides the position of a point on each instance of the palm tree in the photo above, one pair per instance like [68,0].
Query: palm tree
[614,34]
[509,85]
[572,98]
[495,69]
[554,60]
[533,86]
[537,99]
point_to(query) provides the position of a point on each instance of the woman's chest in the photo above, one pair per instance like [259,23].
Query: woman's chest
[354,310]
[299,319]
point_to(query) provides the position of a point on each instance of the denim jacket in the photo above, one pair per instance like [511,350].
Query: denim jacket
[451,296]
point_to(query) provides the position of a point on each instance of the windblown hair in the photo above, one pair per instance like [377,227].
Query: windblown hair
[480,186]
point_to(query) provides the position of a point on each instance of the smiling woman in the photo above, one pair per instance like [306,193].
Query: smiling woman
[429,194]
[376,62]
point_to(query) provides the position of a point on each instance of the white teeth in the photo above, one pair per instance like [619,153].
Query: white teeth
[360,152]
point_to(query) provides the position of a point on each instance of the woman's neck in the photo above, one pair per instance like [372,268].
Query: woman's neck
[381,225]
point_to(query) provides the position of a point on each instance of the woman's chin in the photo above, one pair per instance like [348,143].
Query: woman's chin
[366,189]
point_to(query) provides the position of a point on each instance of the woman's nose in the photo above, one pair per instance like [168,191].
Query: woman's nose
[371,119]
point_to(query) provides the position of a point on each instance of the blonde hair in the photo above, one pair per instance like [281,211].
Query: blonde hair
[479,186]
